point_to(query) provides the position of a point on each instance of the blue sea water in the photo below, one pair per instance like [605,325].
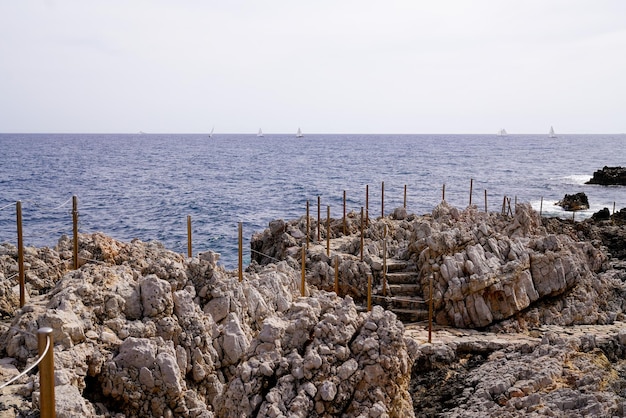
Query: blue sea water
[145,185]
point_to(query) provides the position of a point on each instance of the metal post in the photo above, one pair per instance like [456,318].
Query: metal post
[385,262]
[303,271]
[308,224]
[541,206]
[46,373]
[486,211]
[189,251]
[75,228]
[443,193]
[240,251]
[362,222]
[20,252]
[328,231]
[405,196]
[471,189]
[319,219]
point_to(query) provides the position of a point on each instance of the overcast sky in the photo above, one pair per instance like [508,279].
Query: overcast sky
[362,66]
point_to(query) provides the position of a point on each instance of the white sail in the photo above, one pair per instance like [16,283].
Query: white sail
[551,134]
[299,134]
[260,133]
[211,133]
[502,132]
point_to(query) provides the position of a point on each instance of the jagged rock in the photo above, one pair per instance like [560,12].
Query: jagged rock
[609,176]
[578,201]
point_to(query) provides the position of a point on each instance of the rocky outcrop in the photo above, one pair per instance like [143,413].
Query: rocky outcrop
[609,176]
[142,331]
[572,202]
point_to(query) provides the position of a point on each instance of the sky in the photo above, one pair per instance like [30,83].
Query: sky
[326,66]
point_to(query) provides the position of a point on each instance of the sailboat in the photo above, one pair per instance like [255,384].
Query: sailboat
[260,133]
[502,132]
[299,134]
[211,133]
[551,134]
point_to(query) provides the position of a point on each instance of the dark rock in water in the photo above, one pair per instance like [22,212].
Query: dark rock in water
[601,215]
[578,201]
[609,176]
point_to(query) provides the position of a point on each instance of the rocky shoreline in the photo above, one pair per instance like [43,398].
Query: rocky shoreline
[528,322]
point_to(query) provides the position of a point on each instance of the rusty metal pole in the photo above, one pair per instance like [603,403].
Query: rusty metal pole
[471,189]
[75,229]
[486,210]
[46,373]
[385,262]
[328,231]
[319,218]
[302,282]
[541,206]
[308,224]
[362,232]
[20,252]
[240,251]
[189,250]
[369,292]
[443,193]
[405,196]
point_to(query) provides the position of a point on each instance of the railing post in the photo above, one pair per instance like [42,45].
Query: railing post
[430,309]
[541,207]
[303,267]
[405,196]
[189,251]
[471,189]
[443,193]
[20,252]
[328,231]
[367,203]
[46,373]
[240,251]
[362,222]
[337,275]
[344,212]
[75,229]
[486,211]
[385,262]
[319,218]
[382,200]
[369,292]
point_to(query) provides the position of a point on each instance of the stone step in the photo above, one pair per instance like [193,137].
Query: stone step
[411,315]
[406,289]
[395,302]
[402,277]
[396,265]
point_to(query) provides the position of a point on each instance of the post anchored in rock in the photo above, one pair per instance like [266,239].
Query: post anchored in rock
[344,213]
[337,275]
[362,232]
[303,267]
[471,189]
[308,224]
[240,251]
[319,218]
[328,231]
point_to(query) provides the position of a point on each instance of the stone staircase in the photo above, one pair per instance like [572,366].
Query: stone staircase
[404,295]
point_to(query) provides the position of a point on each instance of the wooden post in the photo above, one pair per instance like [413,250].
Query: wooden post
[328,231]
[443,193]
[75,229]
[189,251]
[20,252]
[367,204]
[46,373]
[303,267]
[240,251]
[405,196]
[362,232]
[430,309]
[337,275]
[541,206]
[319,218]
[385,261]
[503,210]
[369,292]
[344,212]
[471,189]
[486,211]
[382,200]
[308,224]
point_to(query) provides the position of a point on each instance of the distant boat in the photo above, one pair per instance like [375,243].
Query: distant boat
[502,132]
[211,133]
[551,134]
[299,134]
[260,133]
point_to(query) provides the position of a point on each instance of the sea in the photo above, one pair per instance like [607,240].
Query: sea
[152,186]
